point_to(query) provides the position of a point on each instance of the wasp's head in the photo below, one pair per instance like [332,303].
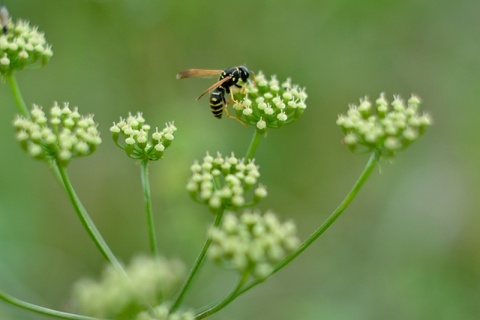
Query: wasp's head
[244,73]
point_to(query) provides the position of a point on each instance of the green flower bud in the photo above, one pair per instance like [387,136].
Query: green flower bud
[225,182]
[116,296]
[63,136]
[137,142]
[252,243]
[21,45]
[265,103]
[386,127]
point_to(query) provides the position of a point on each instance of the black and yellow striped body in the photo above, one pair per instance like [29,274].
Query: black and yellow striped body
[217,95]
[217,101]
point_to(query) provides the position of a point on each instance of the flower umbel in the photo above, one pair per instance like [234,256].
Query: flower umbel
[222,182]
[385,128]
[267,103]
[253,242]
[64,136]
[137,143]
[22,45]
[150,280]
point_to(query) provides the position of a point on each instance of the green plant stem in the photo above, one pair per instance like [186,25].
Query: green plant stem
[87,222]
[372,162]
[252,148]
[196,266]
[17,95]
[42,310]
[148,208]
[220,305]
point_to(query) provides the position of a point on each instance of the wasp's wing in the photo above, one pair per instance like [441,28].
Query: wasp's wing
[190,73]
[215,85]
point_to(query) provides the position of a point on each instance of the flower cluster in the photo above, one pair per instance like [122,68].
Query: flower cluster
[162,313]
[137,143]
[385,128]
[222,182]
[150,281]
[22,45]
[64,136]
[267,103]
[252,243]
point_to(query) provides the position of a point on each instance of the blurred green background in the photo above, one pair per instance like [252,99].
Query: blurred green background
[407,248]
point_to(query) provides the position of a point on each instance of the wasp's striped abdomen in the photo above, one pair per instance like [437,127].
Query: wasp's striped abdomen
[217,102]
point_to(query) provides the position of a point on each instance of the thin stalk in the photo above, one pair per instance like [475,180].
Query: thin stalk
[42,310]
[372,162]
[196,266]
[87,222]
[17,95]
[222,304]
[148,208]
[252,148]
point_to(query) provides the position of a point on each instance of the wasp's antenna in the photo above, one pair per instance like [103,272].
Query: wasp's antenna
[4,17]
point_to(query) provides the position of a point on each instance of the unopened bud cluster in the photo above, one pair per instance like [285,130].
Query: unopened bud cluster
[22,45]
[63,136]
[148,280]
[267,103]
[137,141]
[253,242]
[224,182]
[384,127]
[162,313]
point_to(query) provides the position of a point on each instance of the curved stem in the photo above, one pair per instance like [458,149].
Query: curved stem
[42,310]
[17,95]
[195,267]
[252,148]
[87,222]
[222,304]
[372,162]
[148,208]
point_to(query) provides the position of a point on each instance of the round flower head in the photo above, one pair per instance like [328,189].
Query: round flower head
[115,296]
[253,242]
[223,182]
[386,127]
[21,45]
[267,103]
[63,136]
[137,141]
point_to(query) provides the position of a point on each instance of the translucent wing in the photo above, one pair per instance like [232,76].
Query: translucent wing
[190,73]
[215,85]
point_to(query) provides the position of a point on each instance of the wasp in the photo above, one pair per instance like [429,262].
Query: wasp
[4,17]
[228,78]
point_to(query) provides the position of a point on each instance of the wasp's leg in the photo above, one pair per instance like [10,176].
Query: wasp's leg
[233,117]
[233,99]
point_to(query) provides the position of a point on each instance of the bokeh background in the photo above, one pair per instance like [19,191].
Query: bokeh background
[407,248]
